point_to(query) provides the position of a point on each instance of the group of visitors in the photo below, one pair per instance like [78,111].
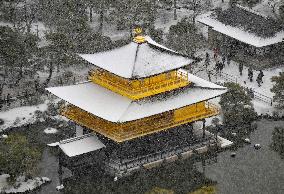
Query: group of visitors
[226,58]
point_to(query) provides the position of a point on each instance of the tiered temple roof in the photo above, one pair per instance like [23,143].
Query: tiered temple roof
[113,107]
[138,89]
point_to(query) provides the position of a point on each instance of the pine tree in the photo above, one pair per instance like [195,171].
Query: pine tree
[184,37]
[278,141]
[237,107]
[278,90]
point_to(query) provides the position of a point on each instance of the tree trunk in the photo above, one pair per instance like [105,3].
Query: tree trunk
[91,13]
[175,9]
[50,74]
[101,20]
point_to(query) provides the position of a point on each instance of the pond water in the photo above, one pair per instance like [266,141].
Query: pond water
[251,171]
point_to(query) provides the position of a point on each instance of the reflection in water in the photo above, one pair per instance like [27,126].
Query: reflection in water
[178,177]
[251,171]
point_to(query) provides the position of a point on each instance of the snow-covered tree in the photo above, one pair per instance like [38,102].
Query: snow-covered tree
[278,90]
[101,7]
[129,13]
[184,37]
[16,48]
[237,107]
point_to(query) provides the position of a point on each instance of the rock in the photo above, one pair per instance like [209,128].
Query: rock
[257,146]
[233,154]
[247,140]
[4,136]
[53,144]
[60,187]
[1,122]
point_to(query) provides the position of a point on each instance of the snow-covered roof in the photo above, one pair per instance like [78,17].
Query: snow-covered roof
[113,107]
[138,60]
[80,145]
[239,33]
[199,82]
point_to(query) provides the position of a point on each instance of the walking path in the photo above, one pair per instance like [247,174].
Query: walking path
[231,73]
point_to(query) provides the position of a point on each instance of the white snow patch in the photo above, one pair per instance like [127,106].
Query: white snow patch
[53,144]
[20,116]
[21,185]
[4,136]
[50,130]
[60,187]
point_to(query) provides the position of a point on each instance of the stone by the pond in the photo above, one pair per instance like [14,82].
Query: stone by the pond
[257,146]
[4,136]
[50,130]
[60,187]
[247,140]
[233,154]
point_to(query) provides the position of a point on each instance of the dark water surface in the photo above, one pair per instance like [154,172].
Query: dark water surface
[251,171]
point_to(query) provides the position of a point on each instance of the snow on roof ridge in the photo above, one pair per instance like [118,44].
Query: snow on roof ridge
[154,43]
[152,59]
[251,11]
[75,138]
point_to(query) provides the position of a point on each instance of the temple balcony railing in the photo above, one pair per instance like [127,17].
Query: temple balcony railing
[120,132]
[137,89]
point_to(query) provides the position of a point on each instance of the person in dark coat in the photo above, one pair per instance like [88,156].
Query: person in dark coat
[250,74]
[241,67]
[258,80]
[261,75]
[221,66]
[224,59]
[207,60]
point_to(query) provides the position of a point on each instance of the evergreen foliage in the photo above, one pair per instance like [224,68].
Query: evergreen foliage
[184,37]
[278,141]
[278,90]
[18,157]
[129,13]
[16,48]
[237,107]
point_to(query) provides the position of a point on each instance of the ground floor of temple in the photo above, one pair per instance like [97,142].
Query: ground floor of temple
[121,159]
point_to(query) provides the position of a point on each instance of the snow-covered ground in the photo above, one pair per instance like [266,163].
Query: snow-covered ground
[232,71]
[21,184]
[20,116]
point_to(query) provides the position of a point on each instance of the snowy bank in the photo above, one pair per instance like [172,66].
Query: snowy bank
[21,184]
[20,116]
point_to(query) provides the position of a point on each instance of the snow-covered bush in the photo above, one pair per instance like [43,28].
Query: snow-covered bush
[19,157]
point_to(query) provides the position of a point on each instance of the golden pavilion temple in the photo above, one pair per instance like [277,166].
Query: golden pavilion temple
[137,95]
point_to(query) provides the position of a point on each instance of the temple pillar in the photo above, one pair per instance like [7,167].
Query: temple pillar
[203,128]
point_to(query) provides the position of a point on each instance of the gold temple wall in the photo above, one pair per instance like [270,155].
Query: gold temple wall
[137,89]
[120,132]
